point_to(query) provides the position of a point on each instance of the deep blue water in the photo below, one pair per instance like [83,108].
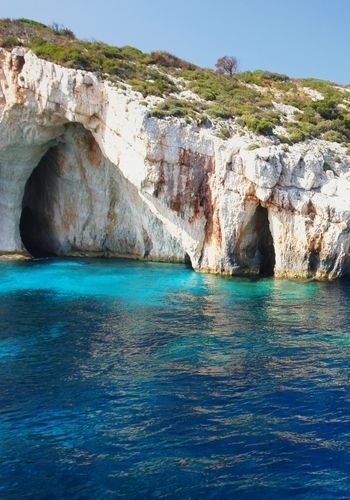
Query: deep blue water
[121,379]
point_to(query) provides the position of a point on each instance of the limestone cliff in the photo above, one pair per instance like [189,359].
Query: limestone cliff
[84,170]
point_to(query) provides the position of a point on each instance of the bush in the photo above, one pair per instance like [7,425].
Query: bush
[30,22]
[327,108]
[132,53]
[258,126]
[217,111]
[326,88]
[332,136]
[173,107]
[10,42]
[61,54]
[260,77]
[224,133]
[276,77]
[251,147]
[263,127]
[157,87]
[295,135]
[110,52]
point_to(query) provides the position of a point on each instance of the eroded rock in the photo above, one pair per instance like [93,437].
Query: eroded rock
[84,170]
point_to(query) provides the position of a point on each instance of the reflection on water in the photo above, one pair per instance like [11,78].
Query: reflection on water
[143,380]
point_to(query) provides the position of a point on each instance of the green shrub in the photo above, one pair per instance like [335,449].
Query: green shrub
[309,115]
[263,127]
[284,139]
[258,126]
[224,133]
[327,108]
[66,55]
[327,89]
[9,42]
[276,77]
[251,147]
[173,107]
[217,111]
[158,87]
[109,52]
[203,120]
[295,135]
[332,136]
[132,53]
[261,77]
[30,22]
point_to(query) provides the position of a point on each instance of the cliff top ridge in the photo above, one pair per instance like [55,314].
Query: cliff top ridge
[287,110]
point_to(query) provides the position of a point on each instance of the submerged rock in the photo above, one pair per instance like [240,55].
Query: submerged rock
[85,170]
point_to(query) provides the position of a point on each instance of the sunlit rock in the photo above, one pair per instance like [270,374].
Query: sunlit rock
[84,170]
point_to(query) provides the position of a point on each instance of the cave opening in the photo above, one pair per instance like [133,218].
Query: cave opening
[36,228]
[265,246]
[187,261]
[255,250]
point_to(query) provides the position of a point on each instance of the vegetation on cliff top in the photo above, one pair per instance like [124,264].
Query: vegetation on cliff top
[266,103]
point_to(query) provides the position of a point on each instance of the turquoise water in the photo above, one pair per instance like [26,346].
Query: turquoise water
[140,380]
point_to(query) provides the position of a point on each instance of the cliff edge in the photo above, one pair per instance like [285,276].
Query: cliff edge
[87,167]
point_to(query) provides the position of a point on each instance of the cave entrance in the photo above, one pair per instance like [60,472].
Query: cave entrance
[265,247]
[36,227]
[256,251]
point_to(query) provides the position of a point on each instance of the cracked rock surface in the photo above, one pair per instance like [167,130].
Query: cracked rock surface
[85,171]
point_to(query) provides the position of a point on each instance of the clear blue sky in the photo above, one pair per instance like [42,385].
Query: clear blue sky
[297,37]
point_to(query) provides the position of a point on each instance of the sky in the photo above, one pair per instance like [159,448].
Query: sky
[301,38]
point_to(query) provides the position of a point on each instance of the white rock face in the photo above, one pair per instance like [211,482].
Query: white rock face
[84,170]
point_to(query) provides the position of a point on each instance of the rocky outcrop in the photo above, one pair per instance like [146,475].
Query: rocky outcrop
[85,170]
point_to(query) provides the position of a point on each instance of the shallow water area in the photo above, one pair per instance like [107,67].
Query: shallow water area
[142,380]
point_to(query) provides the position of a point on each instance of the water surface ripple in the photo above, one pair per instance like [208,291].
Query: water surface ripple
[140,380]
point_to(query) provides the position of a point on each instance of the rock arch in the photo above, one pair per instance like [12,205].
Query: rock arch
[77,202]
